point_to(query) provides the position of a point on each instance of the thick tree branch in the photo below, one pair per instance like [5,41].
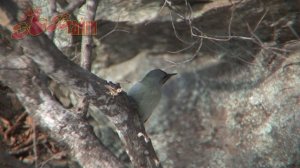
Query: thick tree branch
[64,125]
[108,98]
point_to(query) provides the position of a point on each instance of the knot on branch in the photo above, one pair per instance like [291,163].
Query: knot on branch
[113,89]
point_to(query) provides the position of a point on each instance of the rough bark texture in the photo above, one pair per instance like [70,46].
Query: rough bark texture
[107,97]
[63,125]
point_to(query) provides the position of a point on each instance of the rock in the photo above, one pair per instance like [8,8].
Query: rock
[234,104]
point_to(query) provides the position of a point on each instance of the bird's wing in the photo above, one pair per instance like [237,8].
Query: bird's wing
[146,97]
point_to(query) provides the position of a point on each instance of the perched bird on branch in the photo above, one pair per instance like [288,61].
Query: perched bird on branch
[147,92]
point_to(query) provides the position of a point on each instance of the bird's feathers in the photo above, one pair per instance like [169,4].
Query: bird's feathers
[147,97]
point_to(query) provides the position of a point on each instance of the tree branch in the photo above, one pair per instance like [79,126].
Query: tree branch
[107,97]
[87,40]
[87,47]
[64,125]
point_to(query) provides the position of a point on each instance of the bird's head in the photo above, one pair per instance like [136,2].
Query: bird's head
[157,76]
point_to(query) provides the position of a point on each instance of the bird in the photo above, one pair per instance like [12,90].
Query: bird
[147,92]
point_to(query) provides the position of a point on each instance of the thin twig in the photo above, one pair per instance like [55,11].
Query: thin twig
[260,20]
[175,32]
[34,145]
[53,12]
[183,49]
[114,30]
[86,49]
[55,15]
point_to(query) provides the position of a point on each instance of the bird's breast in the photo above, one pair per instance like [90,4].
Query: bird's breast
[147,98]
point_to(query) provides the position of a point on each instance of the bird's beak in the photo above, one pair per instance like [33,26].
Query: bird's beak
[168,76]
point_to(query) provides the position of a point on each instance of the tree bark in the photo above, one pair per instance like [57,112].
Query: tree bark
[107,97]
[63,125]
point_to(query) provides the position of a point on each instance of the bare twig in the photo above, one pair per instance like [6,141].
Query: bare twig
[87,39]
[113,30]
[190,59]
[34,145]
[293,30]
[175,32]
[198,34]
[73,5]
[16,125]
[86,48]
[55,156]
[260,20]
[55,16]
[183,49]
[53,12]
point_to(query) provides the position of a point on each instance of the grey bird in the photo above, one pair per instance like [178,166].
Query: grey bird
[147,92]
